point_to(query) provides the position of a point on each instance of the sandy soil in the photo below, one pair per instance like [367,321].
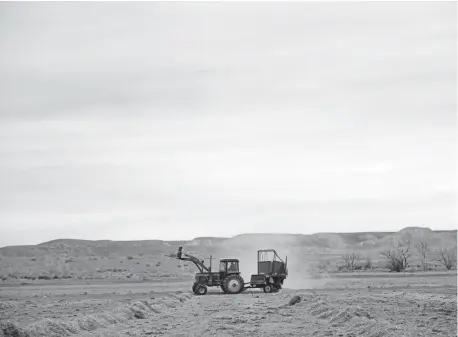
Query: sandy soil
[350,305]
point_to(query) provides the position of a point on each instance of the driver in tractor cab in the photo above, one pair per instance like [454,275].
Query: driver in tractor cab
[232,267]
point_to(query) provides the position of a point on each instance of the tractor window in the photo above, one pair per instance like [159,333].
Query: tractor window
[233,266]
[222,266]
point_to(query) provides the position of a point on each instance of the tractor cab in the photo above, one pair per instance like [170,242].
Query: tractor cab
[229,266]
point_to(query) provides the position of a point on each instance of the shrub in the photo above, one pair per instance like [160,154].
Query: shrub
[44,277]
[448,258]
[398,257]
[350,260]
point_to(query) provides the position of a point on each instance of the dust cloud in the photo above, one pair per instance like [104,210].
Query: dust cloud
[300,271]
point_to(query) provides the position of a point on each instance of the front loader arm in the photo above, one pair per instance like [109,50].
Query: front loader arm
[186,257]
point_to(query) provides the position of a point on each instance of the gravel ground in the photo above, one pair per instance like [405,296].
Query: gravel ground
[169,309]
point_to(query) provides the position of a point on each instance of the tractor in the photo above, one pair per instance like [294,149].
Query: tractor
[272,271]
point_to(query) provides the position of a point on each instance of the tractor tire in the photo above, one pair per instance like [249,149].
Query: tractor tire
[268,288]
[200,289]
[194,287]
[222,288]
[233,284]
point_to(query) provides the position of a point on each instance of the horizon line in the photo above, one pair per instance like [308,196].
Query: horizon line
[230,237]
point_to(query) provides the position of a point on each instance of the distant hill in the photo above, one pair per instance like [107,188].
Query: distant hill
[146,259]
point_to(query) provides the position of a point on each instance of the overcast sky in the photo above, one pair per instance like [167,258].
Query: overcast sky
[177,120]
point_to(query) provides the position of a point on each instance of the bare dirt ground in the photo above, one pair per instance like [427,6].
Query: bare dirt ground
[337,305]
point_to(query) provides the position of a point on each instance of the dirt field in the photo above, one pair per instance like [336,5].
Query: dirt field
[417,304]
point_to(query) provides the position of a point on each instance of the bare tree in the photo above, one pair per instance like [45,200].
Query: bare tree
[350,260]
[448,258]
[399,257]
[391,256]
[405,253]
[423,250]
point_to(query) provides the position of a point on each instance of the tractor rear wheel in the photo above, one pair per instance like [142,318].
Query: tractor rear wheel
[233,284]
[200,289]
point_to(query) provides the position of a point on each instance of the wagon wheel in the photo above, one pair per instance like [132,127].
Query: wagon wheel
[268,288]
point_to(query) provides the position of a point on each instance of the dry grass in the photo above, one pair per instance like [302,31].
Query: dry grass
[90,323]
[346,319]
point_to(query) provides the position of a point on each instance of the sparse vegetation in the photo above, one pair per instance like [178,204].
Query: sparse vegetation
[398,257]
[448,258]
[62,261]
[350,260]
[423,250]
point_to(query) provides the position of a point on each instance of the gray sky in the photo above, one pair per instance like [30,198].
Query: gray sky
[177,120]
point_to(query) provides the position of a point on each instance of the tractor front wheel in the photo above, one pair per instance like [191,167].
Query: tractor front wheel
[200,289]
[233,284]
